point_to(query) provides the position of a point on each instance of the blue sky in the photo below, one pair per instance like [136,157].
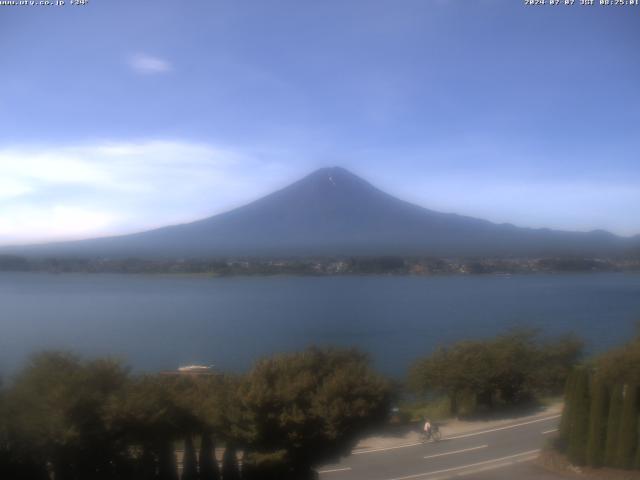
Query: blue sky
[119,116]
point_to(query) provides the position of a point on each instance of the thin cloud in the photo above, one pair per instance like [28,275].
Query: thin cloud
[32,223]
[81,191]
[147,64]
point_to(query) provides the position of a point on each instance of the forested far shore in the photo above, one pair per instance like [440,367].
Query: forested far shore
[388,265]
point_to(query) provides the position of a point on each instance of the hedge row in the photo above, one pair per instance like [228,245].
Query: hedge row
[600,423]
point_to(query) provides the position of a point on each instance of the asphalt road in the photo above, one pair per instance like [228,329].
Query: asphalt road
[475,455]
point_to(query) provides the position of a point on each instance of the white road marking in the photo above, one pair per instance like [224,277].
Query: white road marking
[489,467]
[335,470]
[456,451]
[404,445]
[503,428]
[463,467]
[553,430]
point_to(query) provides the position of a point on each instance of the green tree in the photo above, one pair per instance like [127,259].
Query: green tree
[209,469]
[167,468]
[313,404]
[508,369]
[230,470]
[459,370]
[613,425]
[515,358]
[56,407]
[621,365]
[212,402]
[189,460]
[579,418]
[597,423]
[636,461]
[148,416]
[565,420]
[556,359]
[628,436]
[617,368]
[16,462]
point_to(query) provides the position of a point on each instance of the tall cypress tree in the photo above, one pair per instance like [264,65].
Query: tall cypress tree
[230,470]
[636,462]
[167,469]
[579,429]
[209,469]
[565,421]
[148,466]
[597,423]
[613,426]
[628,437]
[189,461]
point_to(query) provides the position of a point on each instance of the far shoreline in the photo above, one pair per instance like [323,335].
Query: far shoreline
[388,265]
[196,275]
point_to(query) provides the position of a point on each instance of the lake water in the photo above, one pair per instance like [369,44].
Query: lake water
[161,322]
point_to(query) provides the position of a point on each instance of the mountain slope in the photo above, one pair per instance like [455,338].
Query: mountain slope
[333,212]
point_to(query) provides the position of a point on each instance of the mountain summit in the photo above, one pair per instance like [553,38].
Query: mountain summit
[334,212]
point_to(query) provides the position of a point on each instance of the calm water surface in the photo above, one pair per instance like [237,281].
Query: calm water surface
[161,322]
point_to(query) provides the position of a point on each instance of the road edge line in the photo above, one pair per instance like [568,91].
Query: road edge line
[506,427]
[470,449]
[332,470]
[463,467]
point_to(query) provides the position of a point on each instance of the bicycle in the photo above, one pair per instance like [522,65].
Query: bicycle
[434,435]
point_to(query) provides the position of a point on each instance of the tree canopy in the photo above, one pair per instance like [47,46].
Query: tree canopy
[312,404]
[622,364]
[507,369]
[55,413]
[79,419]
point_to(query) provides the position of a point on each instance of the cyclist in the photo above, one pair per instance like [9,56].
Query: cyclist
[426,429]
[430,431]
